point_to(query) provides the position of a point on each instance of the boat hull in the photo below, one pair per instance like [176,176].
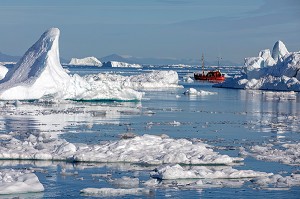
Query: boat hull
[211,76]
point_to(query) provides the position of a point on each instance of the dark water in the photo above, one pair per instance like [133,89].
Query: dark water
[230,119]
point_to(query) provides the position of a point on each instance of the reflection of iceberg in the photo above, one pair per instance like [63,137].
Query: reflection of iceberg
[271,111]
[28,117]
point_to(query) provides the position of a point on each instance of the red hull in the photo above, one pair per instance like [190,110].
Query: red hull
[210,76]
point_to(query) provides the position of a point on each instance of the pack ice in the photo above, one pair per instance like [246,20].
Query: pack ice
[278,71]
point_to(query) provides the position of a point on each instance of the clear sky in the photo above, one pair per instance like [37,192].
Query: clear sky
[232,29]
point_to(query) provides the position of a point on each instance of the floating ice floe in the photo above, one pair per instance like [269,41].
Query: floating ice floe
[19,181]
[169,172]
[279,71]
[192,91]
[87,61]
[146,149]
[39,74]
[289,154]
[152,80]
[3,71]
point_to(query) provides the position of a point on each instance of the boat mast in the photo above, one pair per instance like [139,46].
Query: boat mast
[202,59]
[219,61]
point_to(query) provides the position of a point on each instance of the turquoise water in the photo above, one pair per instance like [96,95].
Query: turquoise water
[228,120]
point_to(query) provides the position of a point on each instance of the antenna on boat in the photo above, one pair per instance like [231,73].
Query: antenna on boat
[202,59]
[219,61]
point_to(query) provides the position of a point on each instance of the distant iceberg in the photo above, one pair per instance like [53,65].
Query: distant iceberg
[278,71]
[39,74]
[87,61]
[115,64]
[3,71]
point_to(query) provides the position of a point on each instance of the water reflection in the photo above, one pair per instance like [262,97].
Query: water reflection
[27,116]
[276,112]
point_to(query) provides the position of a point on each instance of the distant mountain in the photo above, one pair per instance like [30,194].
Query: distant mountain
[8,58]
[162,61]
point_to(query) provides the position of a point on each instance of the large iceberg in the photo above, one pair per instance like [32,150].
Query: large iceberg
[278,70]
[87,61]
[39,74]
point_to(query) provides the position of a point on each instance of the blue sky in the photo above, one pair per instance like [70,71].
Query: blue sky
[232,29]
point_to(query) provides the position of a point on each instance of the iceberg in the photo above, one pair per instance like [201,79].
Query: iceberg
[115,64]
[3,71]
[87,61]
[279,71]
[39,74]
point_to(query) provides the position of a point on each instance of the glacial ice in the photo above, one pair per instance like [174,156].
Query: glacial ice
[3,71]
[279,71]
[146,149]
[19,181]
[193,91]
[39,74]
[111,192]
[169,172]
[116,64]
[87,61]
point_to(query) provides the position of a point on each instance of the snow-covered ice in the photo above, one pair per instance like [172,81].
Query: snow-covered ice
[169,172]
[147,149]
[116,64]
[279,71]
[39,74]
[87,61]
[19,181]
[193,91]
[153,80]
[289,154]
[3,71]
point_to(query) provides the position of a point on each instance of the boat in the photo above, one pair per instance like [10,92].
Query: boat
[213,76]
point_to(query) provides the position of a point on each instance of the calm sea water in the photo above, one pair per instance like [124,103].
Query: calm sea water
[230,119]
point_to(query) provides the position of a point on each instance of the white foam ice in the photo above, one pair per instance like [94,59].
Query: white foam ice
[19,181]
[87,61]
[193,91]
[3,71]
[279,72]
[169,172]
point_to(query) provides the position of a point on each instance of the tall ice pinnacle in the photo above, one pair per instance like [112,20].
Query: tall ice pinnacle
[38,73]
